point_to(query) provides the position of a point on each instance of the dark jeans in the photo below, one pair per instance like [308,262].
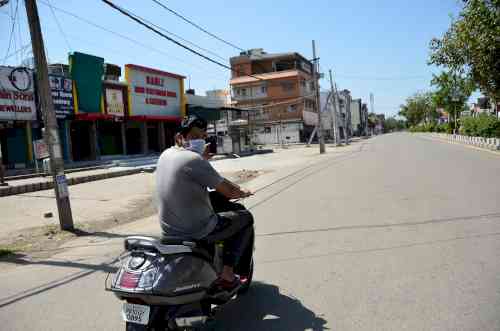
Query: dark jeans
[234,227]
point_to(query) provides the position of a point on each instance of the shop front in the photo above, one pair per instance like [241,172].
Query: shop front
[17,117]
[156,107]
[112,131]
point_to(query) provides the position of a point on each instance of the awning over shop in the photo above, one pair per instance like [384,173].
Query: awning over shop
[211,113]
[150,118]
[93,117]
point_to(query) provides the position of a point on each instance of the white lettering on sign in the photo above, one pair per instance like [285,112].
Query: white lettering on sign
[17,101]
[153,92]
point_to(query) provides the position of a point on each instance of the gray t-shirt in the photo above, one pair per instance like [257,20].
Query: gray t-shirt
[182,179]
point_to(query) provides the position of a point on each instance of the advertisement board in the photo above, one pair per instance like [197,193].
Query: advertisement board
[153,92]
[17,100]
[41,149]
[62,95]
[114,101]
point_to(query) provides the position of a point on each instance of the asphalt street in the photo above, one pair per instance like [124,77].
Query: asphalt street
[391,233]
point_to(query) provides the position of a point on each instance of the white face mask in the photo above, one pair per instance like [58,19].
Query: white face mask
[196,145]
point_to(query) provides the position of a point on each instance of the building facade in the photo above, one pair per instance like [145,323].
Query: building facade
[278,89]
[18,117]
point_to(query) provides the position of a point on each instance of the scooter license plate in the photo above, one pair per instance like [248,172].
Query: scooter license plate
[135,313]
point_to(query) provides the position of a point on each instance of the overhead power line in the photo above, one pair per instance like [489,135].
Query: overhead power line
[14,17]
[148,26]
[155,30]
[197,26]
[122,36]
[177,36]
[59,26]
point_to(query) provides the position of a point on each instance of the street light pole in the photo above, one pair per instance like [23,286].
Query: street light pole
[49,118]
[318,106]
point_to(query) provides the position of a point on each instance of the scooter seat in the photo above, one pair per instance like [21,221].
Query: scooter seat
[149,243]
[176,240]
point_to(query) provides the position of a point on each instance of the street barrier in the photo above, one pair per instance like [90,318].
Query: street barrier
[480,142]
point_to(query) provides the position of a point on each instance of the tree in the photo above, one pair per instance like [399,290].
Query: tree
[393,124]
[419,108]
[471,46]
[452,92]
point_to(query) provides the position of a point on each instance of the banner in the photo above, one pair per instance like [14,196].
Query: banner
[114,101]
[17,100]
[62,95]
[153,92]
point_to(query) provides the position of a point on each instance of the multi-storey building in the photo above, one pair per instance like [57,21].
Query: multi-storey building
[279,89]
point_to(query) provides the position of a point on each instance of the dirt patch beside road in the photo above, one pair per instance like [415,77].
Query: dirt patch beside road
[44,241]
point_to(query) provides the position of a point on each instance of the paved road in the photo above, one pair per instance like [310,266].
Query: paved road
[396,233]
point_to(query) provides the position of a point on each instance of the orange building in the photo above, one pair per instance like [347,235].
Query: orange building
[279,87]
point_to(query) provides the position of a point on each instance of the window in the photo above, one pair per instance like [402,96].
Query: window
[288,86]
[309,104]
[292,108]
[243,92]
[267,129]
[263,89]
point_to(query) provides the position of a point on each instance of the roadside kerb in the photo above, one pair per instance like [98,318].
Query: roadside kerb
[40,186]
[480,142]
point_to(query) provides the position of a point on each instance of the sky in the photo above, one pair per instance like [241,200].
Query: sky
[378,47]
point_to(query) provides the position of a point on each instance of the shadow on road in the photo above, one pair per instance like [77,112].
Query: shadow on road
[265,308]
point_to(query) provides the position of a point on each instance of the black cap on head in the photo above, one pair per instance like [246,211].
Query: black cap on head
[192,121]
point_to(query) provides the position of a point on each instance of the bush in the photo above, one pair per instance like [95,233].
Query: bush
[482,126]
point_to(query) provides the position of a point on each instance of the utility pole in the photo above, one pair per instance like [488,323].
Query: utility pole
[49,117]
[334,103]
[321,138]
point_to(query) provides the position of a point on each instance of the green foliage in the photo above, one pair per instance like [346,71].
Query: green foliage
[419,108]
[471,45]
[452,92]
[392,124]
[482,126]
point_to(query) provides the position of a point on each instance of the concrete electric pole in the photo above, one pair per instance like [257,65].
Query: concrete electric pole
[334,115]
[49,117]
[321,138]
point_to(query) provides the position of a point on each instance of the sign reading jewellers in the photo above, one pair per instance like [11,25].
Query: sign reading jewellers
[17,100]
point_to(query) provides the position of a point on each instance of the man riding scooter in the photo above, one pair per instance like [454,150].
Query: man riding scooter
[188,210]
